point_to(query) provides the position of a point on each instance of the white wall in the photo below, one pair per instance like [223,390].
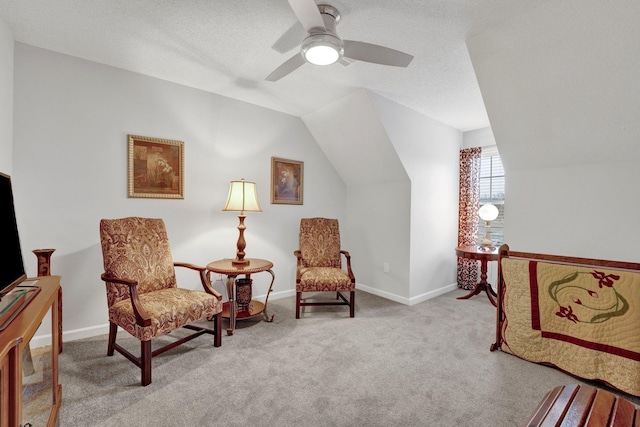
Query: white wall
[71,120]
[429,151]
[378,192]
[378,224]
[352,136]
[401,171]
[561,89]
[6,98]
[482,137]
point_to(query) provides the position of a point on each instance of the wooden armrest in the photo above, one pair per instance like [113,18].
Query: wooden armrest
[109,278]
[142,317]
[188,265]
[298,255]
[348,257]
[205,278]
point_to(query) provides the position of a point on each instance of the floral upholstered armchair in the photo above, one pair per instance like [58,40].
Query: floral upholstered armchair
[142,294]
[319,267]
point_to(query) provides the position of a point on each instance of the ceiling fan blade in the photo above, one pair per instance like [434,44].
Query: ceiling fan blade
[307,13]
[290,39]
[376,54]
[291,64]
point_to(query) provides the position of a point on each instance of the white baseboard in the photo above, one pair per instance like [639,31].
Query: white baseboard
[278,295]
[432,294]
[383,294]
[404,300]
[374,291]
[92,331]
[77,334]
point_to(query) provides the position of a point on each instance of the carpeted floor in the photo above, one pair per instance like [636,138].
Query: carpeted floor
[424,365]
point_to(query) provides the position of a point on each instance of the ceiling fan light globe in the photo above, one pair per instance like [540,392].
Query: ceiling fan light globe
[321,55]
[322,49]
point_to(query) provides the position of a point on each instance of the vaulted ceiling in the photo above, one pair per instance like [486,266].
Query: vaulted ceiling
[227,47]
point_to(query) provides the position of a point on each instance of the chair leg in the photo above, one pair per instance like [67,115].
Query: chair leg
[352,304]
[298,297]
[217,327]
[145,356]
[113,330]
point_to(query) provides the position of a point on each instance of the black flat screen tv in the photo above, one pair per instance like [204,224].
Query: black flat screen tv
[12,271]
[13,298]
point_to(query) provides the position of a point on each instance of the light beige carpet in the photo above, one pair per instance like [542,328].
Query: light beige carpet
[424,365]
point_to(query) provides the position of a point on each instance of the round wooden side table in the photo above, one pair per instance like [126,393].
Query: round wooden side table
[254,308]
[484,256]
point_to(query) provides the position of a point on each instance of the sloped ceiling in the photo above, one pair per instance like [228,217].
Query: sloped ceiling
[355,142]
[561,94]
[225,47]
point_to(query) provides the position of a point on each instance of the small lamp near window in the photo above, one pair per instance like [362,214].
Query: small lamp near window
[487,213]
[243,196]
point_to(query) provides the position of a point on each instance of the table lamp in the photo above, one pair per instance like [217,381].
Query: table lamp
[242,197]
[487,213]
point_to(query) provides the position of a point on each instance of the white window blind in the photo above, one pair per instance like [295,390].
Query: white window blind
[492,182]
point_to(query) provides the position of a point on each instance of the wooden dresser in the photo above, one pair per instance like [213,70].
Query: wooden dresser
[13,340]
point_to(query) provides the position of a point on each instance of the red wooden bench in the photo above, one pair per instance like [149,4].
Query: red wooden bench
[581,406]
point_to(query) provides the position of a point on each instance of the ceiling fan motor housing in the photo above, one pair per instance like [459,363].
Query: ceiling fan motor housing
[322,46]
[329,12]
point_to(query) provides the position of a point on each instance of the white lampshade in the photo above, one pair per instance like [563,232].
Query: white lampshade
[488,212]
[243,196]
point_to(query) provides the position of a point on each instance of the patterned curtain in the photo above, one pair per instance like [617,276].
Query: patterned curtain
[468,213]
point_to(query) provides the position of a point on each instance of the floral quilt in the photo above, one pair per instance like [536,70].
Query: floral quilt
[585,321]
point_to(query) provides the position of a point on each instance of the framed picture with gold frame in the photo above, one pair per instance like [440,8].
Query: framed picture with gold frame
[156,168]
[287,178]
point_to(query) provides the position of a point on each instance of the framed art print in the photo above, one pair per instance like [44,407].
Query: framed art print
[156,168]
[287,178]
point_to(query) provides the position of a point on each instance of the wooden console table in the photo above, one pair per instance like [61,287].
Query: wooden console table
[15,338]
[230,309]
[10,377]
[484,256]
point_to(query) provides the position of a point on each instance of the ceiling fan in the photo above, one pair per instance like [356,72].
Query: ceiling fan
[323,46]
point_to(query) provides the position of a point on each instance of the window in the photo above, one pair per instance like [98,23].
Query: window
[492,191]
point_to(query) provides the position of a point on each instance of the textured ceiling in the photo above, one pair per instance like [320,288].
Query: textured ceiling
[225,47]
